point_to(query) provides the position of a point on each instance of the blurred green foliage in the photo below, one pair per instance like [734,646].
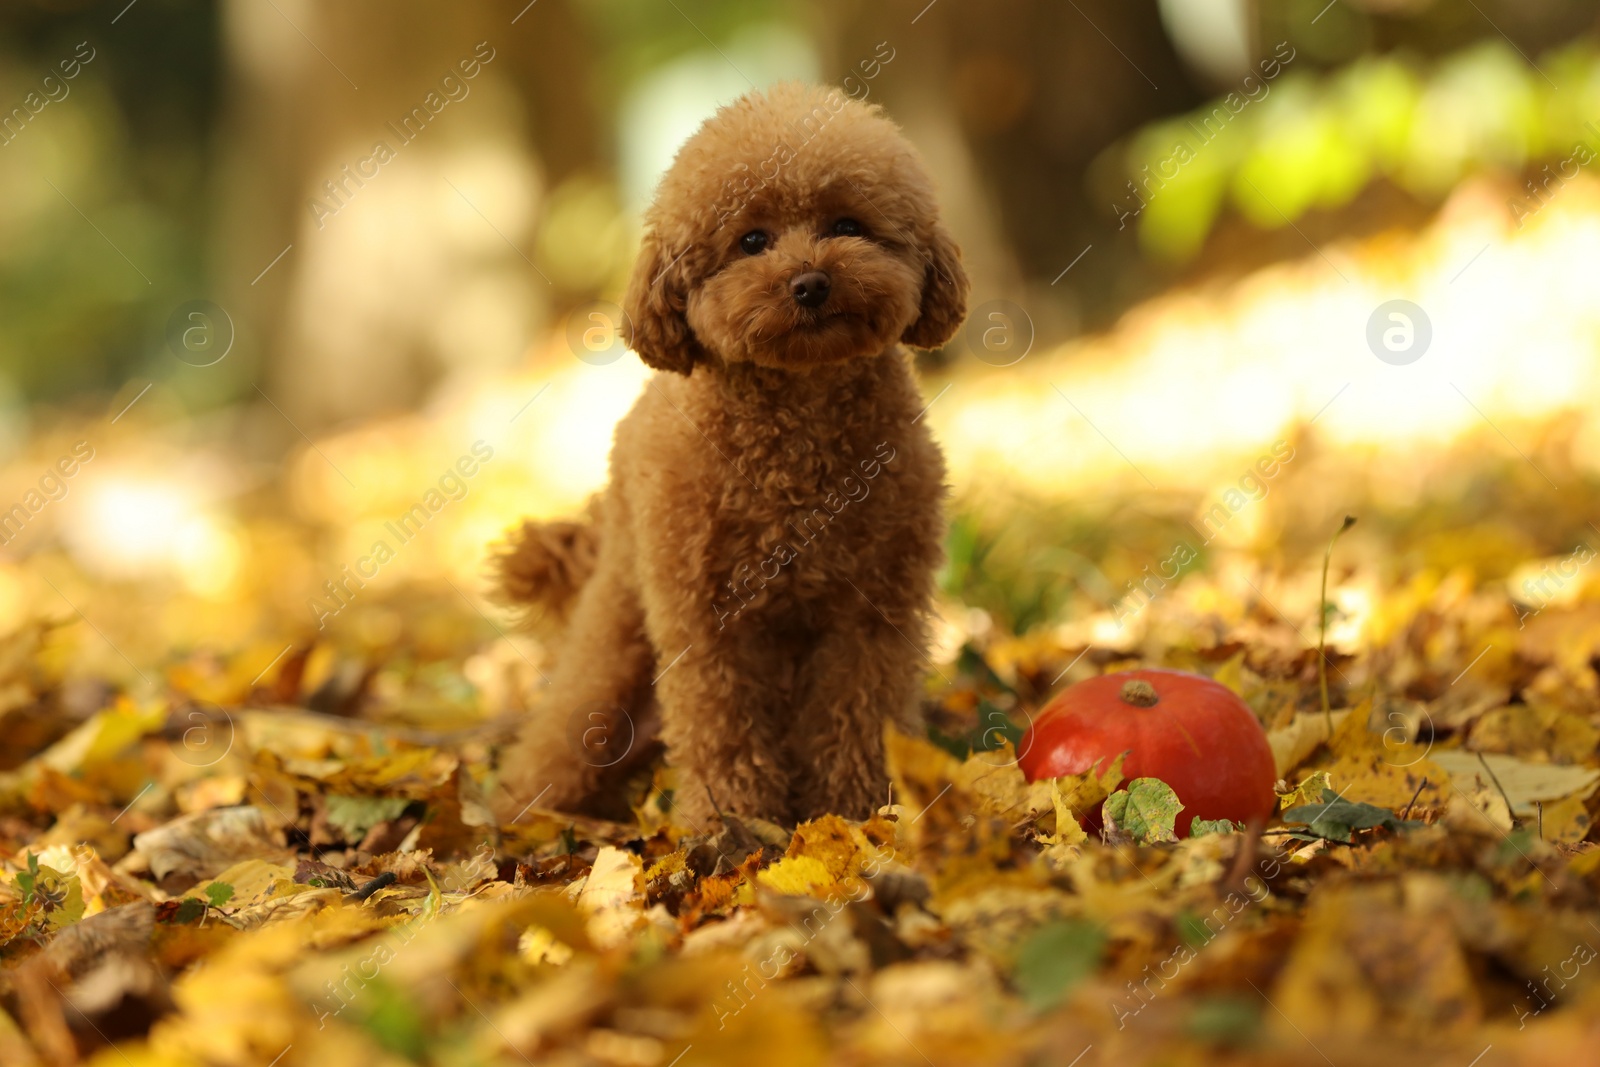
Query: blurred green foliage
[1025,562]
[640,37]
[106,217]
[1298,140]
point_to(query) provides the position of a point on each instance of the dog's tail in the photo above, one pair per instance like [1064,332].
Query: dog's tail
[542,565]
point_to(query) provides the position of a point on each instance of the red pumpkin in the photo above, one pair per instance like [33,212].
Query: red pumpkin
[1185,729]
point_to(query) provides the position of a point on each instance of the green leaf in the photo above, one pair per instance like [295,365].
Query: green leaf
[1146,811]
[1335,819]
[1307,792]
[62,897]
[189,910]
[1224,1019]
[994,729]
[1192,929]
[1514,846]
[953,745]
[354,816]
[395,1021]
[28,880]
[971,662]
[1202,827]
[1055,958]
[219,893]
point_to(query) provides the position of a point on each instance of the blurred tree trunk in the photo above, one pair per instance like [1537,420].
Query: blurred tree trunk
[417,261]
[1034,90]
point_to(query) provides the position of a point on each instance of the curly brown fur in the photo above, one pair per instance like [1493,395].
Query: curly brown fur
[540,569]
[768,540]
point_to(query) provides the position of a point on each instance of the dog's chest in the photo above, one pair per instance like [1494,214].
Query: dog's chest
[807,513]
[801,493]
[795,467]
[792,450]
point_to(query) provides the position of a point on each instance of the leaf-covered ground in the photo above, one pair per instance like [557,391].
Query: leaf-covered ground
[238,828]
[291,862]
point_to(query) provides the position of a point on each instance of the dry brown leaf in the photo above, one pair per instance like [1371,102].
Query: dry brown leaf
[612,897]
[204,843]
[1525,783]
[1363,963]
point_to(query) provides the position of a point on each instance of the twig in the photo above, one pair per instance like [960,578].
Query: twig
[1322,635]
[1499,787]
[386,878]
[1244,859]
[1407,813]
[714,805]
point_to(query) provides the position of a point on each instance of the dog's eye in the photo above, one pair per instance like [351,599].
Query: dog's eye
[754,242]
[847,228]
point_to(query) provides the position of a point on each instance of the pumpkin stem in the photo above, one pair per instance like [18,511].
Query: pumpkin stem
[1139,693]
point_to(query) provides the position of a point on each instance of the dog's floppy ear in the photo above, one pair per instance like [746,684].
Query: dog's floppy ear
[654,305]
[944,294]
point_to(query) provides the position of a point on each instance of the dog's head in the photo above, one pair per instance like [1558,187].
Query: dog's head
[797,227]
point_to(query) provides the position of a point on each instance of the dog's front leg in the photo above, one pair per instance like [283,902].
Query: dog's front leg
[862,675]
[718,724]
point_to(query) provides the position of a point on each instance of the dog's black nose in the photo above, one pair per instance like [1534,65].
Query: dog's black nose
[811,288]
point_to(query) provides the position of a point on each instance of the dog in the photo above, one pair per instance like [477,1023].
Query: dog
[753,585]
